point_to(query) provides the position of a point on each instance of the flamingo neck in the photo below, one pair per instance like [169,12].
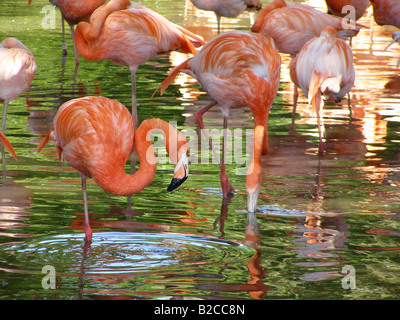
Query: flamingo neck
[87,33]
[114,178]
[100,15]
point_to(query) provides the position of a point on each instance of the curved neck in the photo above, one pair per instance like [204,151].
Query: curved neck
[100,15]
[87,32]
[114,179]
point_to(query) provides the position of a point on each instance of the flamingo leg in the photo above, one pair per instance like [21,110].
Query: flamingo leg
[135,119]
[320,133]
[71,26]
[219,23]
[226,186]
[199,119]
[88,229]
[3,123]
[64,43]
[295,98]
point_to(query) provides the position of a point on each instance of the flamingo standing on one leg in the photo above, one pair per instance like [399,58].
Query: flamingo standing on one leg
[96,136]
[75,11]
[238,69]
[226,8]
[130,37]
[292,24]
[17,70]
[323,69]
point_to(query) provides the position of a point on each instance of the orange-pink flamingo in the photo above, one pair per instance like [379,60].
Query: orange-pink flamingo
[96,136]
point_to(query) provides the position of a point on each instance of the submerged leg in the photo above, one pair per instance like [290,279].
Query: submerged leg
[64,43]
[134,106]
[88,229]
[320,124]
[135,120]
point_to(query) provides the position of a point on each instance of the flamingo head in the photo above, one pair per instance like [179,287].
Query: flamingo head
[181,172]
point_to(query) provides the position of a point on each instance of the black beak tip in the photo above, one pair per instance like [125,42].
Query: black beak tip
[175,183]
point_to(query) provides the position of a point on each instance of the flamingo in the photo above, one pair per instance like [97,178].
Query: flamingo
[226,8]
[237,69]
[323,69]
[335,7]
[75,11]
[292,24]
[387,12]
[96,136]
[17,70]
[131,37]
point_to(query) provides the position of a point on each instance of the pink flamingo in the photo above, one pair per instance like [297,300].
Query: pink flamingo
[17,70]
[96,136]
[323,69]
[292,24]
[131,37]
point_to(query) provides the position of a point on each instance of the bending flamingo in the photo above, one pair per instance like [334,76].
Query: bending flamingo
[96,136]
[292,24]
[226,8]
[237,69]
[323,70]
[130,37]
[17,70]
[335,7]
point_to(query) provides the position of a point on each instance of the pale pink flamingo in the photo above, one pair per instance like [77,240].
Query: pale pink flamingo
[17,70]
[324,70]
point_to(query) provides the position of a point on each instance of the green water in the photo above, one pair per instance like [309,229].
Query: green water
[315,215]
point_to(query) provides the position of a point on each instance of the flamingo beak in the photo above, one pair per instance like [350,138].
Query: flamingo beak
[181,173]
